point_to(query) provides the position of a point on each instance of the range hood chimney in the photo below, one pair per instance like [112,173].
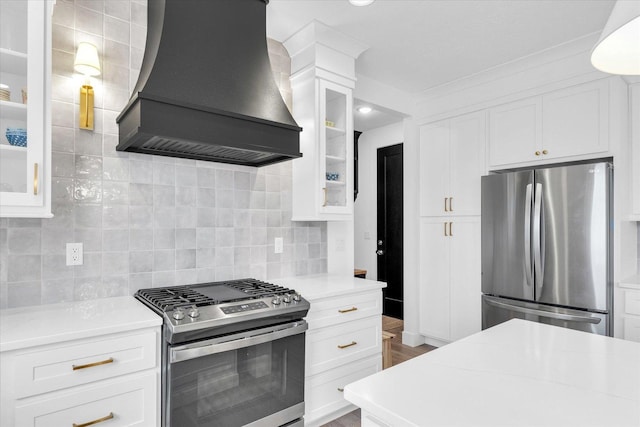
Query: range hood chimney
[206,90]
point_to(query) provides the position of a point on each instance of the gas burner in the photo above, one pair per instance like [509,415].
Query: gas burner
[206,294]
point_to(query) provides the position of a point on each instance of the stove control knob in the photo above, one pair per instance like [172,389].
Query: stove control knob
[296,297]
[286,298]
[194,312]
[178,314]
[275,300]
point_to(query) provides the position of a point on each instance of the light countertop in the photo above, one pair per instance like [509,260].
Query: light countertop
[326,285]
[518,373]
[39,325]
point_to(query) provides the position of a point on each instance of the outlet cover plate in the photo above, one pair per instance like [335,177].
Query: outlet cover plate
[74,254]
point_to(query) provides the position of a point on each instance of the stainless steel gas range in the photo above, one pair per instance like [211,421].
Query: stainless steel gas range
[232,353]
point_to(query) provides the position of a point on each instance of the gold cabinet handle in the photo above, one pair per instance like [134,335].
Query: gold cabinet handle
[450,229]
[537,153]
[35,179]
[341,390]
[450,204]
[347,345]
[545,152]
[91,365]
[445,204]
[99,420]
[324,203]
[348,310]
[445,230]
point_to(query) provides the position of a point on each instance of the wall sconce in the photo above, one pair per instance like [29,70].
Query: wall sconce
[87,63]
[618,49]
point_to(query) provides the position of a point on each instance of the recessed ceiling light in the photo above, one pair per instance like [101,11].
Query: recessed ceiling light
[364,110]
[361,2]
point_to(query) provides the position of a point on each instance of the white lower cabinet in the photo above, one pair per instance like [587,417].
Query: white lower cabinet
[343,345]
[631,315]
[450,278]
[324,391]
[127,401]
[113,377]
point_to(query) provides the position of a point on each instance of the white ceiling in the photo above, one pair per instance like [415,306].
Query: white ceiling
[419,44]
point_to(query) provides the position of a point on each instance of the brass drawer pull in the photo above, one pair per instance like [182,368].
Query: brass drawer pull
[91,365]
[450,229]
[445,204]
[341,390]
[450,204]
[348,310]
[545,152]
[35,179]
[347,345]
[445,230]
[324,203]
[99,420]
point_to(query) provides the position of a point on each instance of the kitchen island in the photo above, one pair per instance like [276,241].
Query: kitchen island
[518,373]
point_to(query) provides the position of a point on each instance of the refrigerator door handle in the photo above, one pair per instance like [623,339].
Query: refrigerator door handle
[543,313]
[527,236]
[537,246]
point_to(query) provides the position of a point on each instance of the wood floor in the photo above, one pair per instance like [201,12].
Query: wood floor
[399,353]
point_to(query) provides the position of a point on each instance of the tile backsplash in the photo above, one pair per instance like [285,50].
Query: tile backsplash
[143,220]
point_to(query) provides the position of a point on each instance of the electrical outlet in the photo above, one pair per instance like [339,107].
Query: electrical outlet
[278,245]
[74,254]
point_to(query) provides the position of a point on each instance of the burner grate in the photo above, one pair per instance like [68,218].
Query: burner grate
[166,299]
[258,289]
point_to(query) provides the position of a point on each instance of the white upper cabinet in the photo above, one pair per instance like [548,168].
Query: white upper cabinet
[25,73]
[515,132]
[567,123]
[634,97]
[322,81]
[575,120]
[451,163]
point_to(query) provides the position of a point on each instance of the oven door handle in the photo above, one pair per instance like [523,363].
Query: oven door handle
[234,342]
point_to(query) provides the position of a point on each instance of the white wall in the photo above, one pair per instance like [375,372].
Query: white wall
[365,206]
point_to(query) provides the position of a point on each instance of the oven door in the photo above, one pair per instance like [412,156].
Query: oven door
[253,378]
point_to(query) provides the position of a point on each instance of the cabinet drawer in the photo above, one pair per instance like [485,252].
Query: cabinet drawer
[336,345]
[323,393]
[70,365]
[127,402]
[632,328]
[340,310]
[632,302]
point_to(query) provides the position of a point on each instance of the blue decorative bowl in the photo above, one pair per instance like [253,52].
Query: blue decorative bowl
[17,136]
[333,176]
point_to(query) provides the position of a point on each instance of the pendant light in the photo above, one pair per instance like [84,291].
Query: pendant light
[618,49]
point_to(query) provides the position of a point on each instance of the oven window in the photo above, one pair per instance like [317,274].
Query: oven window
[236,387]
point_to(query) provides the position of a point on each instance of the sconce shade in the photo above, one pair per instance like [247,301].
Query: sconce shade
[618,50]
[87,61]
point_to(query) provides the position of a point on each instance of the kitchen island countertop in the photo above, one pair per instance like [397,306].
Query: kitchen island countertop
[518,373]
[319,286]
[45,324]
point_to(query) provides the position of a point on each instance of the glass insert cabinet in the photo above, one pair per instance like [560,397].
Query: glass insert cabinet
[25,73]
[323,176]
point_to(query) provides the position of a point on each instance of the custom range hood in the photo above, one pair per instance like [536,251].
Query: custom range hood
[206,90]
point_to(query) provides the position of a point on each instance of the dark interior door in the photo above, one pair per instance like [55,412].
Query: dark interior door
[389,243]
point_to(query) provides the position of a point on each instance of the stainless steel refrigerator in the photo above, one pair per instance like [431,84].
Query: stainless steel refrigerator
[546,247]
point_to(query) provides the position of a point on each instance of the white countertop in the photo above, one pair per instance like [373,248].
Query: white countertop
[45,324]
[518,373]
[326,285]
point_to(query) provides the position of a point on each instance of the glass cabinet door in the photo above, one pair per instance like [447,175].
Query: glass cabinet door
[23,73]
[336,148]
